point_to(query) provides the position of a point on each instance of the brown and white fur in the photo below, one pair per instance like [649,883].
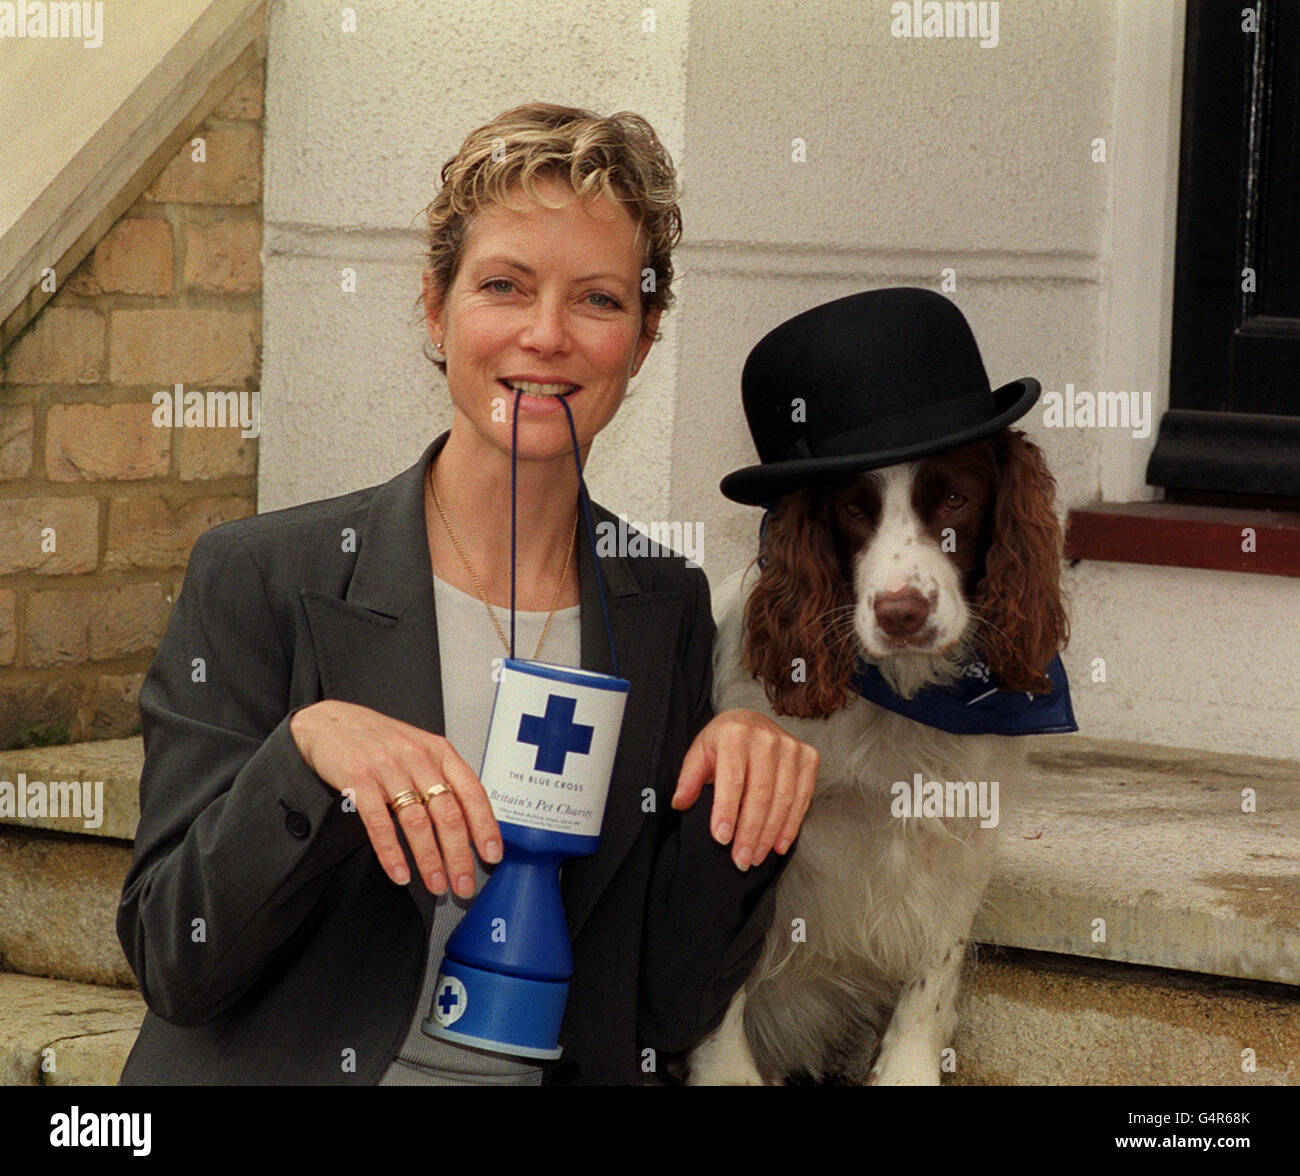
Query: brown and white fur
[859,973]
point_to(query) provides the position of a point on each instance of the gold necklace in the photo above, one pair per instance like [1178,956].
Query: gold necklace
[478,584]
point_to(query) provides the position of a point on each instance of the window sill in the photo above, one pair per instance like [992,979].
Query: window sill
[1185,535]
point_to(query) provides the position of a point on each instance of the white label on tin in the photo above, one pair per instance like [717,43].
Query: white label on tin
[550,752]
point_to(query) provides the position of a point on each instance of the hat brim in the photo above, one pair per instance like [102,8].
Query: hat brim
[758,485]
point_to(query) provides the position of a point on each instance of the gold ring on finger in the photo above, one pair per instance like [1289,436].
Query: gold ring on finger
[402,799]
[435,791]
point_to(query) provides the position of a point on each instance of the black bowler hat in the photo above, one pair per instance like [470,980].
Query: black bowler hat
[885,376]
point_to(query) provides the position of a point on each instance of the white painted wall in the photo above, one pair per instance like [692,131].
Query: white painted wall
[921,154]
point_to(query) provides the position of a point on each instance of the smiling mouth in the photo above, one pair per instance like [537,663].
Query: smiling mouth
[542,391]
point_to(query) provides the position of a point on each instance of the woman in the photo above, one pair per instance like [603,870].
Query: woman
[314,673]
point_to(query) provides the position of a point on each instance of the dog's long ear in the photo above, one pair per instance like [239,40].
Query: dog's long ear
[1019,599]
[798,636]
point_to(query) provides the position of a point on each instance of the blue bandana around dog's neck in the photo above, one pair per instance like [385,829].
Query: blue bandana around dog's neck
[973,705]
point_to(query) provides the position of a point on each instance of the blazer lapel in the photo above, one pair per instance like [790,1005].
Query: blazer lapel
[378,647]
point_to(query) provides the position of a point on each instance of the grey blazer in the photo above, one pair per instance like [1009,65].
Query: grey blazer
[269,944]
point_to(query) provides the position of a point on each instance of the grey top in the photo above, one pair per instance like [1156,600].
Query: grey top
[468,643]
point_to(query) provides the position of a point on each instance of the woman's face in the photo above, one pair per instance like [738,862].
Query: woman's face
[549,298]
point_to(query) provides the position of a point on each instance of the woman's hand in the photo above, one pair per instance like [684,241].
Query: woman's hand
[375,758]
[744,752]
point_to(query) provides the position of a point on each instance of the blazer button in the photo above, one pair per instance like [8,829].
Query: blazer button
[297,823]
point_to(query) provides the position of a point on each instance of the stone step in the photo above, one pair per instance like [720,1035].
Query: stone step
[1093,854]
[58,906]
[1105,834]
[1159,856]
[57,1033]
[87,789]
[1027,1019]
[1035,1019]
[67,816]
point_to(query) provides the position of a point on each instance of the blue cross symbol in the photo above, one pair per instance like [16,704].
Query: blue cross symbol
[555,735]
[447,1000]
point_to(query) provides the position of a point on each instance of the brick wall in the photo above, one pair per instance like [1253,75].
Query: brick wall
[99,504]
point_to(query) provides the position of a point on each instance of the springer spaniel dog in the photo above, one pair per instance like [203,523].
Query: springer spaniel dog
[925,574]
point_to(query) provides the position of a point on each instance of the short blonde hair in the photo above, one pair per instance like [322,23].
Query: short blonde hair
[620,157]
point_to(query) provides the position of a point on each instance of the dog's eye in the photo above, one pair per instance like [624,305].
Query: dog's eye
[954,501]
[853,510]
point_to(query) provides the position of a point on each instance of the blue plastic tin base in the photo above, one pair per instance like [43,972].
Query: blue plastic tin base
[492,1011]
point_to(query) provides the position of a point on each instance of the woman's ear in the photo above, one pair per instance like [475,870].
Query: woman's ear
[649,328]
[433,302]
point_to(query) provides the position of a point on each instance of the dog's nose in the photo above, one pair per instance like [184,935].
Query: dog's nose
[901,613]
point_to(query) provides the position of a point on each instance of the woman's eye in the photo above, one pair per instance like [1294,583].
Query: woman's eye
[609,301]
[954,501]
[496,284]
